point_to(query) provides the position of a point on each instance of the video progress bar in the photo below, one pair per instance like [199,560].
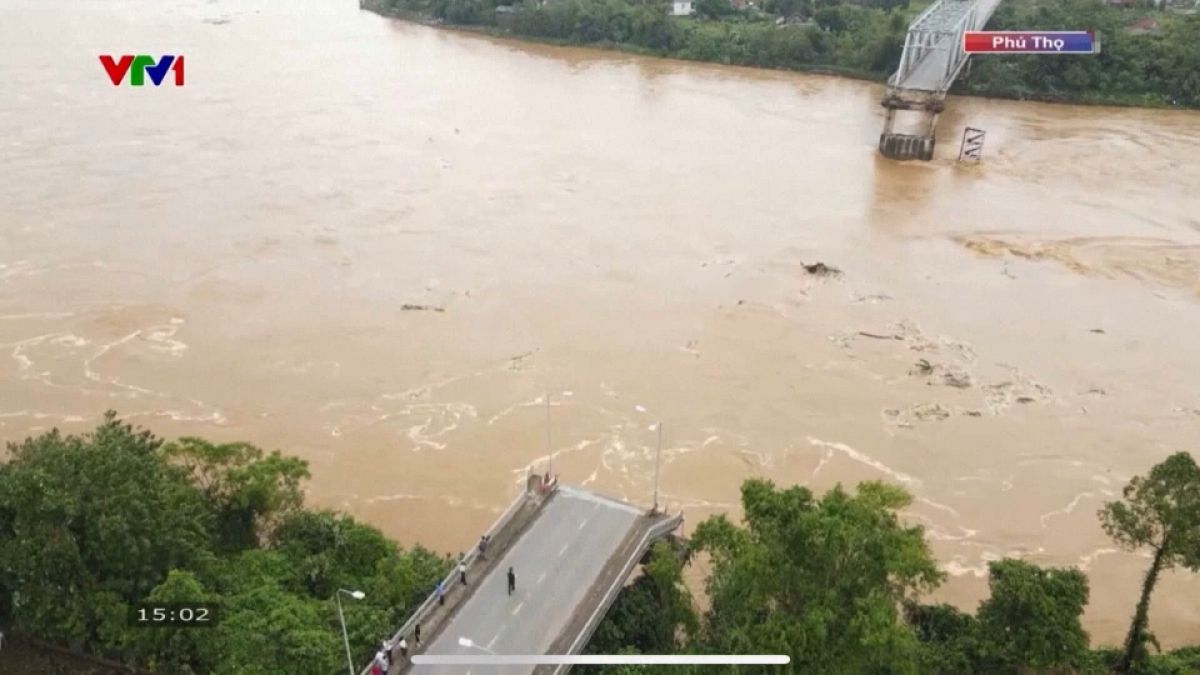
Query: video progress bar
[599,659]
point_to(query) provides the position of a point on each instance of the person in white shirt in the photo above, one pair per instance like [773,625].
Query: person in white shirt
[380,663]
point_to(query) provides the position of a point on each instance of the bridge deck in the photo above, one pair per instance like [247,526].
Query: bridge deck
[559,560]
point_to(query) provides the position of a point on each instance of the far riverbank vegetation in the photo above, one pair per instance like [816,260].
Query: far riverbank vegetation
[1150,52]
[92,524]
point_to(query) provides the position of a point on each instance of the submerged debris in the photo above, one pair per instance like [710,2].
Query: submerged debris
[878,336]
[950,376]
[421,308]
[820,269]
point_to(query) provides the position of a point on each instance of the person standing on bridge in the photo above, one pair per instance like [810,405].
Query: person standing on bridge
[462,571]
[441,593]
[385,655]
[512,581]
[417,634]
[379,665]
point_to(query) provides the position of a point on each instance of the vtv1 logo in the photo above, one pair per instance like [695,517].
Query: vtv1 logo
[140,66]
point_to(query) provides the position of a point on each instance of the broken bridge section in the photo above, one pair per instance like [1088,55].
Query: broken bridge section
[932,58]
[571,551]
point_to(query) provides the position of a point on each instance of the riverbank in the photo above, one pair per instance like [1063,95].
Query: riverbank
[850,41]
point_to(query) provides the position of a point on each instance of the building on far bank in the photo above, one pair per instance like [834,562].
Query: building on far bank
[681,8]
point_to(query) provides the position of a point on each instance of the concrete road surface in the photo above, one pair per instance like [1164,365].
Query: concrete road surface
[556,561]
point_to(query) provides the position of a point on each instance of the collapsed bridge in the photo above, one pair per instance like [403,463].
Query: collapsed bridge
[933,57]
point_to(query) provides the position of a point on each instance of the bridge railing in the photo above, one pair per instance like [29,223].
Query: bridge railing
[468,559]
[959,57]
[653,533]
[938,33]
[915,49]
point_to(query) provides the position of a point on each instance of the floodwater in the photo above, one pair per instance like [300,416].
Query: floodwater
[1010,341]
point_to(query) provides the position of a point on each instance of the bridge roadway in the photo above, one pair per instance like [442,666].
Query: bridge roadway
[570,557]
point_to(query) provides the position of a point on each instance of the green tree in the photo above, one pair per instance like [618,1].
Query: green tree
[1032,618]
[653,615]
[267,631]
[327,550]
[1160,511]
[950,638]
[96,522]
[247,489]
[91,524]
[820,580]
[171,649]
[713,9]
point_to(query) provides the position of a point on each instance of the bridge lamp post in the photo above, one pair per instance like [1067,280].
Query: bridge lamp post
[470,644]
[357,595]
[657,457]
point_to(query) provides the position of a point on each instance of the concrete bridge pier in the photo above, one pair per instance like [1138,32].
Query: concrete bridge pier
[919,145]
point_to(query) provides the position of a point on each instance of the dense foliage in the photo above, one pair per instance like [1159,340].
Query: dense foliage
[1160,511]
[91,524]
[1159,66]
[834,583]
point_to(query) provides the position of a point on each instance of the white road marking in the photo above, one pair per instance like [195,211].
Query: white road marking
[493,640]
[563,550]
[539,579]
[518,607]
[582,523]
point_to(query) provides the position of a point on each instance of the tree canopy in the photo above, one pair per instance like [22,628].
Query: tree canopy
[824,580]
[1159,511]
[92,524]
[865,38]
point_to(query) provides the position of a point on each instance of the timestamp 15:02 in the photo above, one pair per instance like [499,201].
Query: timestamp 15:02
[174,614]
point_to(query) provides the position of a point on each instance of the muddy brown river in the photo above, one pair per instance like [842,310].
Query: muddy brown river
[233,258]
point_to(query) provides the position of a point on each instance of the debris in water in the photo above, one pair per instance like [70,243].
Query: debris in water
[820,269]
[520,361]
[1098,331]
[877,336]
[956,379]
[421,308]
[950,376]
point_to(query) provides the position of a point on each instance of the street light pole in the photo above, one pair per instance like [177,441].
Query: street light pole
[549,452]
[357,595]
[657,458]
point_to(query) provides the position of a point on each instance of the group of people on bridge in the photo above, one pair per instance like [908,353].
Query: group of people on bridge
[397,650]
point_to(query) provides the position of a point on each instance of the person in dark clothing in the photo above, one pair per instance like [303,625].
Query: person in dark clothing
[483,543]
[462,572]
[512,581]
[417,634]
[441,593]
